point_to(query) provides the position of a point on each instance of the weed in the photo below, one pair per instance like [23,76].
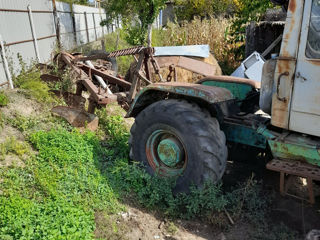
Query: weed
[171,228]
[23,123]
[29,80]
[22,218]
[36,123]
[247,201]
[4,100]
[63,187]
[13,146]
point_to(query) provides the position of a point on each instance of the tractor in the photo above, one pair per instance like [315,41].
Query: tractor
[181,130]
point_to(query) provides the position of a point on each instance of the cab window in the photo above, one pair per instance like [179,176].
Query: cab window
[313,41]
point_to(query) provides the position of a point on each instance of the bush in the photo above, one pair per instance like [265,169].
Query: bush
[30,81]
[4,100]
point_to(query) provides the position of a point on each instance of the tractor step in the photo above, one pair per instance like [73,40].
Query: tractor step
[296,168]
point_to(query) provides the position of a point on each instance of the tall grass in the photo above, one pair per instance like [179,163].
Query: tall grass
[211,31]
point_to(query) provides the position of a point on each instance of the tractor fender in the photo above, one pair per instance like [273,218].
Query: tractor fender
[159,91]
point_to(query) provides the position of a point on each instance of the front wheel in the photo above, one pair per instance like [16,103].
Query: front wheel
[174,138]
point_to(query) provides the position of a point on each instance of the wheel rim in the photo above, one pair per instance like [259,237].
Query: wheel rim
[166,153]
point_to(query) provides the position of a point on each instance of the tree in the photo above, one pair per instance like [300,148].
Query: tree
[136,16]
[188,9]
[81,2]
[247,11]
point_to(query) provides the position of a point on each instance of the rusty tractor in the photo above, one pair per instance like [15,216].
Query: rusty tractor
[181,130]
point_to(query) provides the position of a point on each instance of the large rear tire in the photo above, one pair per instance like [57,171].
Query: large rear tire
[174,138]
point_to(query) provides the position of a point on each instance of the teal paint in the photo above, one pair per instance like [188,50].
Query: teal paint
[244,134]
[295,151]
[170,152]
[238,90]
[293,146]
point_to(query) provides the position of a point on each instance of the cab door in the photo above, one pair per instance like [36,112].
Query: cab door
[305,102]
[286,65]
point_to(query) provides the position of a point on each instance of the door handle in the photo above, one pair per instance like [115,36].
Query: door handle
[282,99]
[303,79]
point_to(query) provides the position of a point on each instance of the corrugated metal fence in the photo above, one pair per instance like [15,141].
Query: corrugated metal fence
[31,28]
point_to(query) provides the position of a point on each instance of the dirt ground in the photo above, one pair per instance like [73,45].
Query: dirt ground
[297,215]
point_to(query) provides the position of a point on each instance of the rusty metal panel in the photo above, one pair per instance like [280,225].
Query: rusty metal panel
[206,93]
[189,64]
[286,63]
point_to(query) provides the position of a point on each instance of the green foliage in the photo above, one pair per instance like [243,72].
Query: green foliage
[113,44]
[13,146]
[29,80]
[22,218]
[63,185]
[188,9]
[35,123]
[4,100]
[247,11]
[61,147]
[146,11]
[23,123]
[81,2]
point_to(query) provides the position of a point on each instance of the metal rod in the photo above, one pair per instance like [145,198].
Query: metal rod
[94,24]
[272,46]
[5,83]
[56,23]
[5,62]
[74,25]
[24,11]
[30,40]
[34,34]
[86,22]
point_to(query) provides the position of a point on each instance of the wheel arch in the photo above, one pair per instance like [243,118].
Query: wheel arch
[211,98]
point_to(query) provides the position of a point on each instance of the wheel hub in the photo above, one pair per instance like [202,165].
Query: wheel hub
[170,151]
[166,153]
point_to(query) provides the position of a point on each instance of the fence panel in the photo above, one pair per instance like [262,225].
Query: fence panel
[33,36]
[66,25]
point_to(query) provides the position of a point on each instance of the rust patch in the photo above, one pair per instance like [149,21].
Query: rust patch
[315,62]
[280,113]
[292,6]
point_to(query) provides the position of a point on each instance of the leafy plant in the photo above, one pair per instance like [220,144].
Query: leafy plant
[29,80]
[22,218]
[189,9]
[142,13]
[11,145]
[4,100]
